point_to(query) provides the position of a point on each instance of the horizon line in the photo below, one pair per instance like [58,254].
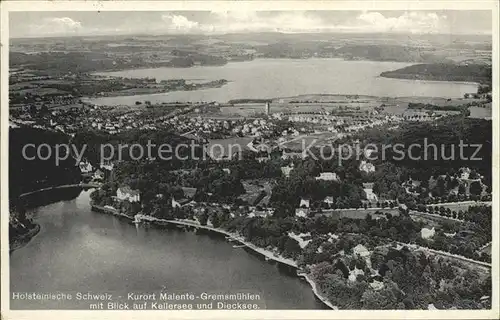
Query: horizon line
[252,32]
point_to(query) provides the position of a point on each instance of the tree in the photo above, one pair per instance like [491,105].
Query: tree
[442,211]
[376,300]
[321,270]
[408,304]
[440,189]
[292,248]
[473,174]
[476,188]
[215,219]
[203,218]
[448,212]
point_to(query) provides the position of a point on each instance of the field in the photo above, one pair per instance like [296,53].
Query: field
[320,103]
[41,91]
[243,110]
[481,113]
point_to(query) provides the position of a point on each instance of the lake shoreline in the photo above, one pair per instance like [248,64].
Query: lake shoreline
[413,77]
[319,76]
[23,240]
[266,253]
[269,255]
[159,91]
[66,186]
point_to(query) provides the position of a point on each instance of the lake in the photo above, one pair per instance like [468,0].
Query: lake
[78,250]
[272,78]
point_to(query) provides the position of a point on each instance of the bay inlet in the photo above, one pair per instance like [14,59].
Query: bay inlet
[78,250]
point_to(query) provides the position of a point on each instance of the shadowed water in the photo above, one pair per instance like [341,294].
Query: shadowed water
[78,250]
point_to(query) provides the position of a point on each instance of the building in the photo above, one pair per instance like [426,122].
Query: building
[304,203]
[361,251]
[301,212]
[328,176]
[286,170]
[427,233]
[293,155]
[189,194]
[180,203]
[467,179]
[411,186]
[107,165]
[368,189]
[260,213]
[328,200]
[366,167]
[268,108]
[85,167]
[126,193]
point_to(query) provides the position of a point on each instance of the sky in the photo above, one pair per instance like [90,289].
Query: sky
[82,23]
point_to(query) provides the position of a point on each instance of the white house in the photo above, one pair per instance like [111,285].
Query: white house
[304,203]
[368,189]
[180,203]
[129,194]
[328,176]
[286,170]
[426,233]
[107,165]
[366,167]
[328,200]
[85,167]
[361,250]
[301,212]
[293,155]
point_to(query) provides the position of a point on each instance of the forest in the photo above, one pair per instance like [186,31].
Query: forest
[41,172]
[479,73]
